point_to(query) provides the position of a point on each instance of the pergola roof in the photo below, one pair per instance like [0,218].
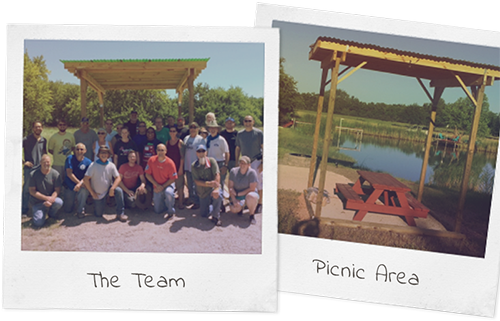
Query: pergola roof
[135,74]
[441,71]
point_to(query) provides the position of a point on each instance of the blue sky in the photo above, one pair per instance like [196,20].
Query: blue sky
[370,86]
[231,64]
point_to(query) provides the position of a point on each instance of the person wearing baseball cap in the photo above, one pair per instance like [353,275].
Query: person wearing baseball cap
[243,191]
[206,176]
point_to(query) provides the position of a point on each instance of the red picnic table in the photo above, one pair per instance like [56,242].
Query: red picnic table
[395,197]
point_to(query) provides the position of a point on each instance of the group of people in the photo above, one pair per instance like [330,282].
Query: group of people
[142,167]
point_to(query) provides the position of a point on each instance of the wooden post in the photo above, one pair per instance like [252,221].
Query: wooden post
[83,97]
[101,105]
[179,103]
[328,132]
[317,128]
[191,95]
[470,155]
[438,91]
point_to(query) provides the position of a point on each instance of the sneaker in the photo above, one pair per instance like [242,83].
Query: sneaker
[252,219]
[258,209]
[121,217]
[223,209]
[240,213]
[217,221]
[168,216]
[80,215]
[195,206]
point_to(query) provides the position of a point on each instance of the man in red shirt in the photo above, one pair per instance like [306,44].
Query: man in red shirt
[162,173]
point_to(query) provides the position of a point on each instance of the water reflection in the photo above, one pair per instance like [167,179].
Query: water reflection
[404,159]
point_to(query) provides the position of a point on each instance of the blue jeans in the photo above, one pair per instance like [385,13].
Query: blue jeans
[193,197]
[26,192]
[210,205]
[99,205]
[81,199]
[165,200]
[40,210]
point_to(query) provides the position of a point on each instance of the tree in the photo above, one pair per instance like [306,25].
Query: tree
[289,99]
[36,93]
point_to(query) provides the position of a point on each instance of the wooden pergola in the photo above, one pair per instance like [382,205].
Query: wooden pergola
[442,73]
[135,74]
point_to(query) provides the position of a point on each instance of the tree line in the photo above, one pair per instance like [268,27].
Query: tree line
[48,101]
[452,115]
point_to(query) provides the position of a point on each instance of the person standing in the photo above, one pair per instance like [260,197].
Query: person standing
[190,144]
[132,124]
[174,152]
[60,145]
[133,183]
[182,130]
[249,142]
[162,133]
[219,150]
[148,149]
[171,122]
[44,188]
[87,136]
[110,132]
[207,179]
[161,172]
[34,146]
[123,147]
[76,166]
[229,134]
[101,140]
[118,136]
[243,182]
[101,180]
[141,137]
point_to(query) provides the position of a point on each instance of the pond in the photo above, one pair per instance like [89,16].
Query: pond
[404,159]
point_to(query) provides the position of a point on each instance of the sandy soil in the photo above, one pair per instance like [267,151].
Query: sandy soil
[295,177]
[146,231]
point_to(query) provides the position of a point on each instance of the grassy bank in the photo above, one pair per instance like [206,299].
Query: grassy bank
[389,130]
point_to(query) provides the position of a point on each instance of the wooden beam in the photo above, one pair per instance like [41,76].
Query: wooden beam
[465,89]
[391,228]
[136,87]
[328,133]
[179,102]
[425,89]
[83,97]
[329,61]
[182,82]
[91,81]
[438,91]
[352,71]
[470,154]
[161,65]
[468,80]
[191,95]
[308,205]
[101,107]
[319,114]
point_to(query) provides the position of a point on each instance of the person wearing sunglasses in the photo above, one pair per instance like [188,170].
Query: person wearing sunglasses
[76,165]
[206,176]
[101,141]
[249,142]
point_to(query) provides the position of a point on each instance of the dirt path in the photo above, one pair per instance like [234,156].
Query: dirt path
[146,231]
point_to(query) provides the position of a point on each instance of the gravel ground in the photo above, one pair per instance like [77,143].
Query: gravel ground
[145,231]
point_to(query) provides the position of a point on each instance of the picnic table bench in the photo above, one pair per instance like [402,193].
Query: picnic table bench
[393,197]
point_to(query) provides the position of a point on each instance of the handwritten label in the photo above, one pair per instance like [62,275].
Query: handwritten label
[142,280]
[380,274]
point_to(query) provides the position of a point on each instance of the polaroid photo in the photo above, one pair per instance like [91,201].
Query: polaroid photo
[387,153]
[104,123]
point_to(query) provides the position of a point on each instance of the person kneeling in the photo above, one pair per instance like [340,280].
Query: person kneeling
[44,187]
[99,182]
[162,173]
[133,183]
[206,176]
[243,188]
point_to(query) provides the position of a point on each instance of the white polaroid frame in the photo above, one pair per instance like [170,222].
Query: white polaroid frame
[213,282]
[446,282]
